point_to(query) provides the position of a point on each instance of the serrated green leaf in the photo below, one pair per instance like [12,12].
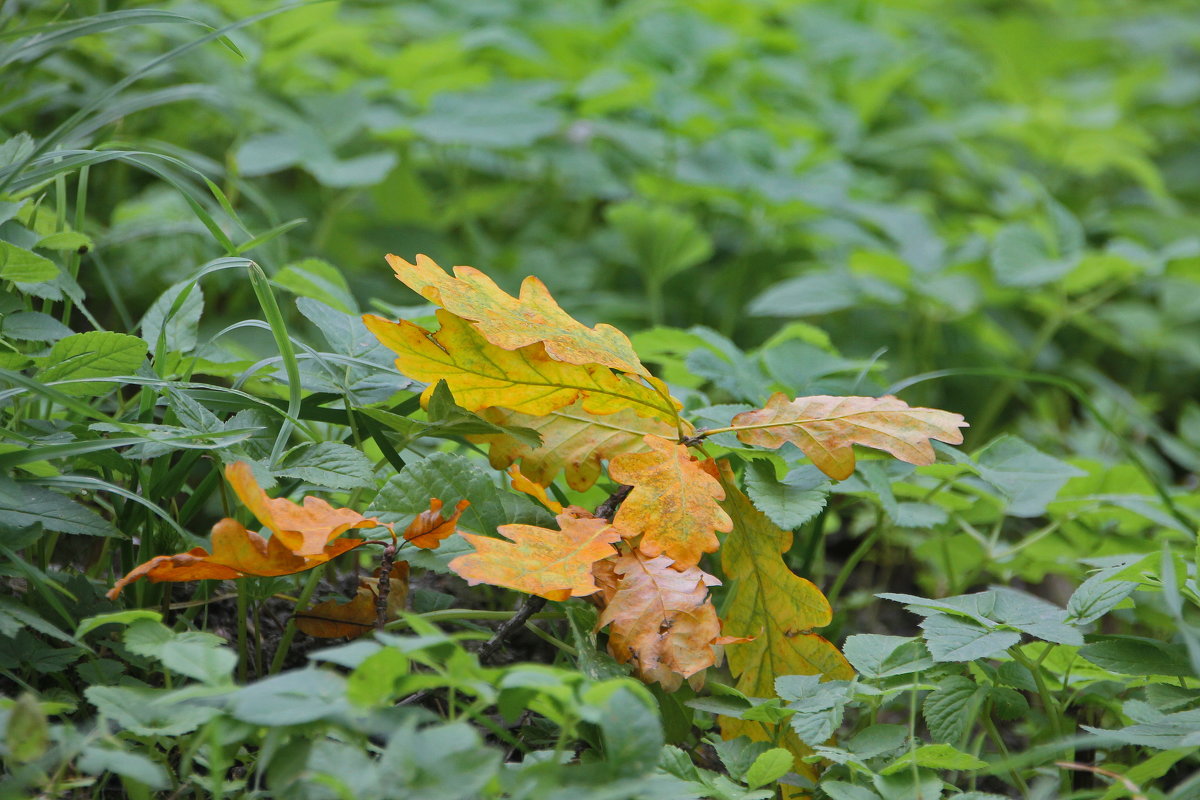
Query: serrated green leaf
[24,266]
[790,502]
[935,756]
[953,639]
[951,709]
[25,504]
[1027,477]
[769,767]
[65,240]
[173,319]
[331,464]
[95,354]
[33,326]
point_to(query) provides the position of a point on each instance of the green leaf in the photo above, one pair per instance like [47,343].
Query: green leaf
[115,618]
[201,656]
[1020,258]
[25,504]
[96,354]
[739,754]
[131,766]
[769,767]
[293,698]
[331,464]
[1027,477]
[65,240]
[1137,655]
[840,790]
[790,502]
[175,318]
[935,756]
[33,326]
[661,240]
[148,712]
[879,656]
[819,705]
[147,637]
[317,280]
[1096,596]
[953,639]
[25,266]
[373,681]
[629,722]
[951,710]
[27,734]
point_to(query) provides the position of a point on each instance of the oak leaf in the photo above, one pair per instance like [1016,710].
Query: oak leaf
[304,529]
[535,490]
[553,564]
[660,619]
[573,441]
[481,374]
[673,505]
[236,552]
[825,428]
[333,620]
[515,322]
[430,527]
[776,607]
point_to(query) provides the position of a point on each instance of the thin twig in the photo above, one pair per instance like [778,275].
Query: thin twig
[608,509]
[385,586]
[1135,791]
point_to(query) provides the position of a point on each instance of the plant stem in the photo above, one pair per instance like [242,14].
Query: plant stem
[289,631]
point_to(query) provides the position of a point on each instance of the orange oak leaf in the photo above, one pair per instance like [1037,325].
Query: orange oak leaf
[535,490]
[778,611]
[660,618]
[304,529]
[333,620]
[515,322]
[673,505]
[480,374]
[236,552]
[825,428]
[573,441]
[553,564]
[430,527]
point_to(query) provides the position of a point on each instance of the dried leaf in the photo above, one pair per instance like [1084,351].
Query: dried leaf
[673,505]
[825,428]
[511,323]
[553,564]
[534,490]
[304,529]
[573,441]
[661,619]
[430,527]
[481,375]
[333,620]
[236,552]
[779,609]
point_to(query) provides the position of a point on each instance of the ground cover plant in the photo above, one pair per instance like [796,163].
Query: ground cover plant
[868,473]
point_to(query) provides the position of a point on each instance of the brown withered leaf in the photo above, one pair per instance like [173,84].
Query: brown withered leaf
[573,441]
[481,375]
[236,552]
[673,505]
[304,529]
[775,608]
[334,620]
[430,527]
[514,322]
[660,619]
[825,428]
[553,564]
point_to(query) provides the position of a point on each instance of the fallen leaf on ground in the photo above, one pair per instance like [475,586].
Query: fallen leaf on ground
[333,620]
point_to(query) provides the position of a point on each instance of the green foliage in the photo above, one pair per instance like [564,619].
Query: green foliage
[987,207]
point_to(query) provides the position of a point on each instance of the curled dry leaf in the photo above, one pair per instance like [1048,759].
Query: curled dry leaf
[552,564]
[236,552]
[573,441]
[535,490]
[480,374]
[825,428]
[673,505]
[430,527]
[333,620]
[303,529]
[511,322]
[661,619]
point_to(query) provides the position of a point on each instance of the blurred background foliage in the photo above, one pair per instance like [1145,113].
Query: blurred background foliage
[934,184]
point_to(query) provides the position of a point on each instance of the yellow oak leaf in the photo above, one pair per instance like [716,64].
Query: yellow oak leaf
[515,322]
[535,490]
[236,552]
[553,564]
[825,428]
[776,607]
[481,374]
[573,441]
[304,529]
[673,505]
[659,618]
